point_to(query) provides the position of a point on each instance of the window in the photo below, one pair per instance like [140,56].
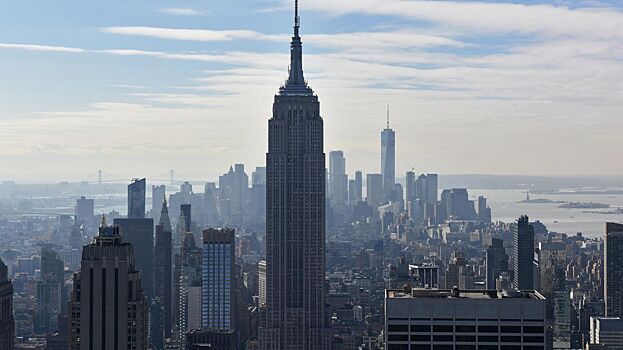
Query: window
[465,338]
[398,347]
[533,339]
[511,329]
[443,328]
[465,329]
[445,338]
[420,328]
[398,337]
[533,329]
[514,339]
[487,329]
[487,339]
[397,328]
[420,337]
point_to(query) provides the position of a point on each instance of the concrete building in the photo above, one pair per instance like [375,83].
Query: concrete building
[108,305]
[607,331]
[425,319]
[613,270]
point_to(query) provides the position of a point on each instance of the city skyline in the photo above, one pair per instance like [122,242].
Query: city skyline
[459,86]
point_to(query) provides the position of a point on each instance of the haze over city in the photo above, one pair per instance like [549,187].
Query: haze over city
[529,87]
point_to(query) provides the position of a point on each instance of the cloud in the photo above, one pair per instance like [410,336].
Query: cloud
[180,11]
[192,34]
[491,18]
[31,47]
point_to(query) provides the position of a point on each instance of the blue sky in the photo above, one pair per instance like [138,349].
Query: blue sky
[137,88]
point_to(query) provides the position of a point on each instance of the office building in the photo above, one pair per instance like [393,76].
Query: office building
[431,189]
[210,340]
[140,233]
[258,177]
[358,186]
[219,298]
[523,255]
[85,210]
[410,186]
[388,158]
[484,212]
[352,192]
[374,190]
[187,281]
[108,305]
[136,199]
[261,282]
[457,204]
[496,261]
[158,193]
[294,315]
[607,331]
[338,180]
[7,323]
[430,319]
[613,270]
[163,266]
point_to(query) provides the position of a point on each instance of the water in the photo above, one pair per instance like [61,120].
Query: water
[504,207]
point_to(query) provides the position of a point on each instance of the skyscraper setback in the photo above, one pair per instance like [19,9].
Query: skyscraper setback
[294,315]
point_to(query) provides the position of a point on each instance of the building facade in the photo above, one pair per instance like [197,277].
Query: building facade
[523,255]
[7,323]
[218,301]
[294,315]
[109,309]
[136,199]
[163,274]
[429,319]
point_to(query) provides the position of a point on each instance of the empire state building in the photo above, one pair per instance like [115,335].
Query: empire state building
[294,315]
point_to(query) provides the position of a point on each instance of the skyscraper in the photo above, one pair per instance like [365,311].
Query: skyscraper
[613,270]
[7,323]
[84,210]
[157,194]
[338,180]
[140,233]
[388,158]
[523,255]
[187,280]
[358,186]
[374,190]
[109,308]
[163,267]
[496,262]
[410,186]
[431,189]
[294,315]
[136,199]
[218,303]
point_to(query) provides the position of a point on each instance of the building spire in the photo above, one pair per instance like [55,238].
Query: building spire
[296,52]
[388,116]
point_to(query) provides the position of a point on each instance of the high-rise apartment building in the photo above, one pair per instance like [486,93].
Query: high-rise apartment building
[613,270]
[338,180]
[136,199]
[163,254]
[294,316]
[219,297]
[388,158]
[430,319]
[523,255]
[108,305]
[7,323]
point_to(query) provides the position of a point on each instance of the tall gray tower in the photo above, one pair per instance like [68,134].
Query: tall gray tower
[294,315]
[613,271]
[388,158]
[7,323]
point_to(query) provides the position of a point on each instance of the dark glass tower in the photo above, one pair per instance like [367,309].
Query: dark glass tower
[523,255]
[294,314]
[388,158]
[136,199]
[613,274]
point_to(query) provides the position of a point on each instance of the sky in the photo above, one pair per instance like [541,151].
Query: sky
[136,88]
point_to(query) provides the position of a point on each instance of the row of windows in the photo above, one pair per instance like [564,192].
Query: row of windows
[426,328]
[465,338]
[461,347]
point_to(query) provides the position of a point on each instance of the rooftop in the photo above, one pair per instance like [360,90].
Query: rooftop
[461,294]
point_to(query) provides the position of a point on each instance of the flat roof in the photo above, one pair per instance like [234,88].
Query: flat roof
[460,294]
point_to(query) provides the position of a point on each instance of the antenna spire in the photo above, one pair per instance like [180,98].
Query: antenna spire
[297,19]
[388,116]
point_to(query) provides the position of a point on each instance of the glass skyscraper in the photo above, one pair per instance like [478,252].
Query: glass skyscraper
[218,292]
